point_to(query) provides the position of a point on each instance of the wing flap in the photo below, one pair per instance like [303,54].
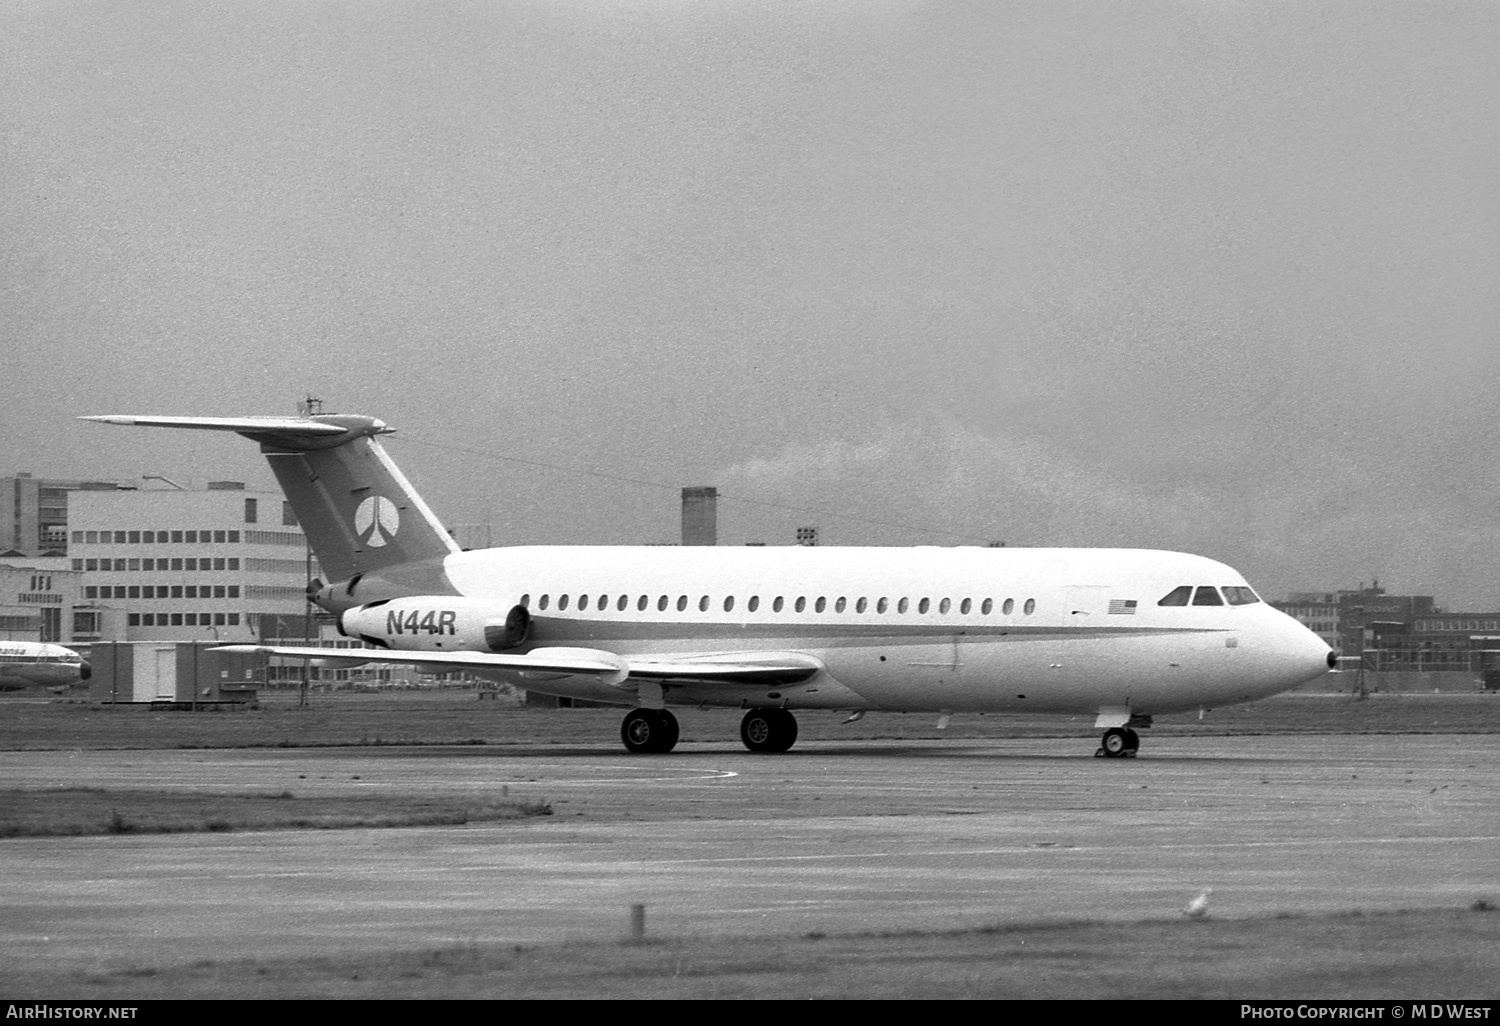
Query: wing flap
[729,668]
[560,662]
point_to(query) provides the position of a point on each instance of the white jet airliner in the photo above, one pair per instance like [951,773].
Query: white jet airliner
[27,664]
[1121,634]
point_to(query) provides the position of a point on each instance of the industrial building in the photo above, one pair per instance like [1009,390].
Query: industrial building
[700,516]
[43,604]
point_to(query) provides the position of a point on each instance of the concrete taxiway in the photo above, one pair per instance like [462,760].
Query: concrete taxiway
[836,837]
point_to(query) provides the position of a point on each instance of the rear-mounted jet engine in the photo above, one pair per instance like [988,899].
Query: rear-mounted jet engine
[437,623]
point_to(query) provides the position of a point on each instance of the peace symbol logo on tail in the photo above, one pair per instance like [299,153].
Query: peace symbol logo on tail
[377,520]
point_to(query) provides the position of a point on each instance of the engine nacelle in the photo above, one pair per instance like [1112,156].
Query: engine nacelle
[437,623]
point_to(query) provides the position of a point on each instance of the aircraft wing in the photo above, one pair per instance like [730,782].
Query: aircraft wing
[543,663]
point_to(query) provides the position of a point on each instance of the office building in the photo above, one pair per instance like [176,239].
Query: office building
[34,514]
[221,564]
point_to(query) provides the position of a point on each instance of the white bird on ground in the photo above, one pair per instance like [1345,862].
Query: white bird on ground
[1198,907]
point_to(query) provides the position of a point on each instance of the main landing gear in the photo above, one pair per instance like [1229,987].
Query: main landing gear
[1118,743]
[768,730]
[652,731]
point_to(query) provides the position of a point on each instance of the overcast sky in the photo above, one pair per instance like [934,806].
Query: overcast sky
[1210,276]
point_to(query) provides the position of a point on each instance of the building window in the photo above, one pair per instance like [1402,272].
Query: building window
[133,620]
[252,511]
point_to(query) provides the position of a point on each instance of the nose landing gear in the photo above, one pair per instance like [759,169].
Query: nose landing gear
[1118,743]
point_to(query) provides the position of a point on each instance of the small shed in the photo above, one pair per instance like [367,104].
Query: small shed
[176,672]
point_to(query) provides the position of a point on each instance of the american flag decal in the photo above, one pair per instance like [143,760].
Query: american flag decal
[1122,607]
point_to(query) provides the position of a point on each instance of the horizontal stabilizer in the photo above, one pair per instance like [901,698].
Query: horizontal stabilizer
[245,425]
[360,514]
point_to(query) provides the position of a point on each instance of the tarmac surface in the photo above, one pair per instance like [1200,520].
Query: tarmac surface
[837,837]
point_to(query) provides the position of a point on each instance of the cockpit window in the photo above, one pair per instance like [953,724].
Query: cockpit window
[1177,596]
[1207,596]
[1240,596]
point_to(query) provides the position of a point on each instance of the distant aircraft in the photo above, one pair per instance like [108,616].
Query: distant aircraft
[27,664]
[1120,634]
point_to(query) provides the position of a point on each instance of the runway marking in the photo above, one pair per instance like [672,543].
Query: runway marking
[1032,848]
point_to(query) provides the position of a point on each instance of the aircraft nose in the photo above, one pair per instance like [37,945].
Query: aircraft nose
[85,671]
[1311,654]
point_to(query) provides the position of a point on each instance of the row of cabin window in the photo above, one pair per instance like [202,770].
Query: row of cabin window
[1205,595]
[820,604]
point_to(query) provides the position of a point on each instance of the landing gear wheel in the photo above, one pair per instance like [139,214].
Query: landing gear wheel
[768,730]
[649,731]
[1132,743]
[1117,744]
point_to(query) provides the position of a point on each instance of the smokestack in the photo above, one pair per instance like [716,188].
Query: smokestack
[700,516]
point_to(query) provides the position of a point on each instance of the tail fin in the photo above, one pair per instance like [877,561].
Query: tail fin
[359,512]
